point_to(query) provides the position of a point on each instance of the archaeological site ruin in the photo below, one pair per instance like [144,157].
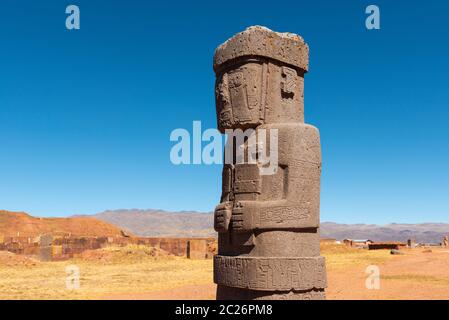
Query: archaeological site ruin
[268,224]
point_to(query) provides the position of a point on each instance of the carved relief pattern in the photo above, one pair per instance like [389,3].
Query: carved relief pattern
[239,96]
[270,273]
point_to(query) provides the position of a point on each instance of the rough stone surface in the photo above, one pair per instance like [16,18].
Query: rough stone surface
[259,41]
[411,243]
[268,225]
[196,249]
[45,247]
[445,242]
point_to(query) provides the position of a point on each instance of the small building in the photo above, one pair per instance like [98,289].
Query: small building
[429,244]
[358,243]
[386,245]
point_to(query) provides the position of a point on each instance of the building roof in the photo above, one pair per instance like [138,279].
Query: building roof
[358,240]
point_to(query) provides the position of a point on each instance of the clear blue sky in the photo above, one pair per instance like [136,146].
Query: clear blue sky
[85,116]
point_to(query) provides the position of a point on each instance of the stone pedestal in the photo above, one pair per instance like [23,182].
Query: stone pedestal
[267,223]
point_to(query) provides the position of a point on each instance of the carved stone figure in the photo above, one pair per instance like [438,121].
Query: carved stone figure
[268,224]
[45,247]
[445,242]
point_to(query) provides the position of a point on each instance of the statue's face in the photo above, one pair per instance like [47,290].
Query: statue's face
[240,96]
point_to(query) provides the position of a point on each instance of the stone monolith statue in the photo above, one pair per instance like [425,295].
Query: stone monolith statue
[445,242]
[268,224]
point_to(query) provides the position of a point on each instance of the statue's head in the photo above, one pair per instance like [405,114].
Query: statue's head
[255,69]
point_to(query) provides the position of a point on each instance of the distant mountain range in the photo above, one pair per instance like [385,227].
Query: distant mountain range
[158,223]
[196,224]
[424,232]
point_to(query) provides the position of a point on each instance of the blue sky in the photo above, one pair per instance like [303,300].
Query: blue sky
[86,115]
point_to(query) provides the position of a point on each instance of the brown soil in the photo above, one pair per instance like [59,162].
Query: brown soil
[11,260]
[417,274]
[197,292]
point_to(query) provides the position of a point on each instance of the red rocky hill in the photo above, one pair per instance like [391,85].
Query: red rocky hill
[20,223]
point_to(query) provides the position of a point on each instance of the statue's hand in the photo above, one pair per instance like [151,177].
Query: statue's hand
[222,217]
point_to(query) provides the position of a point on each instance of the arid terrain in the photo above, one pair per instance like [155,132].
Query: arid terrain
[21,223]
[137,272]
[134,269]
[159,223]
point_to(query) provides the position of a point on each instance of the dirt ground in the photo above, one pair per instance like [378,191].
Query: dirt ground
[136,273]
[417,274]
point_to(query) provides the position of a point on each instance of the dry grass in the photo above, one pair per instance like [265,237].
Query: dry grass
[132,269]
[136,269]
[341,256]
